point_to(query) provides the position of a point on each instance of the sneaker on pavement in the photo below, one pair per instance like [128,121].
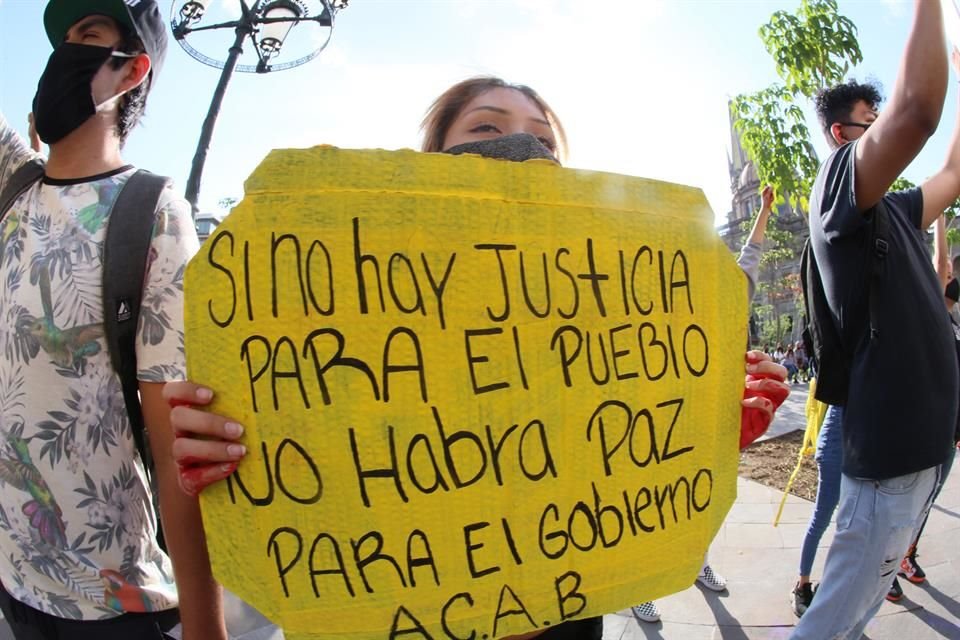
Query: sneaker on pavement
[910,570]
[896,591]
[647,612]
[711,579]
[800,598]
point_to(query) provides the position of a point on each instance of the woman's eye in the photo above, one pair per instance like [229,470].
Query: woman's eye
[548,143]
[484,128]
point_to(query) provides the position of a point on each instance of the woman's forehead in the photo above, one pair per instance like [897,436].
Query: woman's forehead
[503,99]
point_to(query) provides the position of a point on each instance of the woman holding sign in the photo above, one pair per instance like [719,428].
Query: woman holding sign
[484,116]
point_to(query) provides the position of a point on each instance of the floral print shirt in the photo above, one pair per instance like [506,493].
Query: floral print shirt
[77,524]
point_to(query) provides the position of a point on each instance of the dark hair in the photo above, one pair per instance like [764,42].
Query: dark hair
[952,290]
[836,103]
[133,103]
[445,109]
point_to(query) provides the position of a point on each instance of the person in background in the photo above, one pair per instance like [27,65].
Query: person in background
[803,362]
[789,363]
[910,569]
[828,457]
[779,353]
[749,262]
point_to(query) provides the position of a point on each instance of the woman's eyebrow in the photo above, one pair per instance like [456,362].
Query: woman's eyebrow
[490,108]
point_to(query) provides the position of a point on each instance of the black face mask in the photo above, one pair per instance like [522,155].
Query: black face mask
[517,147]
[64,98]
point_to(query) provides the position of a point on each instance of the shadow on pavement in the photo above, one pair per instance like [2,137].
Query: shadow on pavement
[948,603]
[729,625]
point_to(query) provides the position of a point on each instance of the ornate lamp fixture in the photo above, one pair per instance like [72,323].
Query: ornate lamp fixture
[268,26]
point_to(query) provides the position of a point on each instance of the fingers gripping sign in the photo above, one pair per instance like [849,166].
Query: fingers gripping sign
[203,446]
[764,392]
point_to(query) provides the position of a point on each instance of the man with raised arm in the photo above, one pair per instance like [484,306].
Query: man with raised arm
[902,403]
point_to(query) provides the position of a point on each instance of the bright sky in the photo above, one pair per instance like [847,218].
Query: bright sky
[640,85]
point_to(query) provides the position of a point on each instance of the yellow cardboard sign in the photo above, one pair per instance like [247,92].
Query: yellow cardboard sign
[481,397]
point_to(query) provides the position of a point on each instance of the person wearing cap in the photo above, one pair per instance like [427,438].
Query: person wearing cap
[79,557]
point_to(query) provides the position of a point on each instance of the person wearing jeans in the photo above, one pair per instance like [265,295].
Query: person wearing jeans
[829,457]
[909,567]
[876,521]
[900,407]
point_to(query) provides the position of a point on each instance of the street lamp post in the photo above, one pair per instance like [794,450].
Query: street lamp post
[266,23]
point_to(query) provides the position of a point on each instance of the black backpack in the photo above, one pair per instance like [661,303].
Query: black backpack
[125,253]
[830,357]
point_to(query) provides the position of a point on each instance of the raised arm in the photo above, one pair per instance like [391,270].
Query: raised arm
[912,115]
[759,230]
[941,256]
[750,253]
[14,151]
[941,189]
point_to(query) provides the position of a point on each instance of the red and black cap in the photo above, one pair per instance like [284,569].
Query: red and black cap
[142,17]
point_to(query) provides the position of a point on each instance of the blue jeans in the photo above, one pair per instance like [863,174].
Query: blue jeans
[944,473]
[829,459]
[876,523]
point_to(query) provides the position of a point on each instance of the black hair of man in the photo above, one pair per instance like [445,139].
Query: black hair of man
[133,104]
[835,104]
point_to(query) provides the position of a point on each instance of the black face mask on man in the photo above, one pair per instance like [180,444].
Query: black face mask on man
[516,147]
[64,98]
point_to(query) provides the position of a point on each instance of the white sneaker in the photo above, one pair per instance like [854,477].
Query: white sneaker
[711,579]
[646,612]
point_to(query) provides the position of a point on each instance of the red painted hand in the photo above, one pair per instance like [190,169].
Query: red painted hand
[764,391]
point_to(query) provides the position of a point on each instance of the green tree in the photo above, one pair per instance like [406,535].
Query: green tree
[902,184]
[780,284]
[812,48]
[225,204]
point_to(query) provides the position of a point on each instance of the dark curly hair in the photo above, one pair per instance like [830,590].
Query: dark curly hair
[836,103]
[133,103]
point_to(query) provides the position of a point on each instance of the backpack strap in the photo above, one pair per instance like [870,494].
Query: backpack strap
[125,254]
[823,343]
[878,262]
[20,180]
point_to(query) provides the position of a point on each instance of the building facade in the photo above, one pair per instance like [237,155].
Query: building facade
[206,223]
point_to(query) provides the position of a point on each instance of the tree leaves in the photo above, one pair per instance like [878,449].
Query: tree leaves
[812,48]
[774,134]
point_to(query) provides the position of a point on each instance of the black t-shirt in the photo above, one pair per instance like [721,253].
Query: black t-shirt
[902,404]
